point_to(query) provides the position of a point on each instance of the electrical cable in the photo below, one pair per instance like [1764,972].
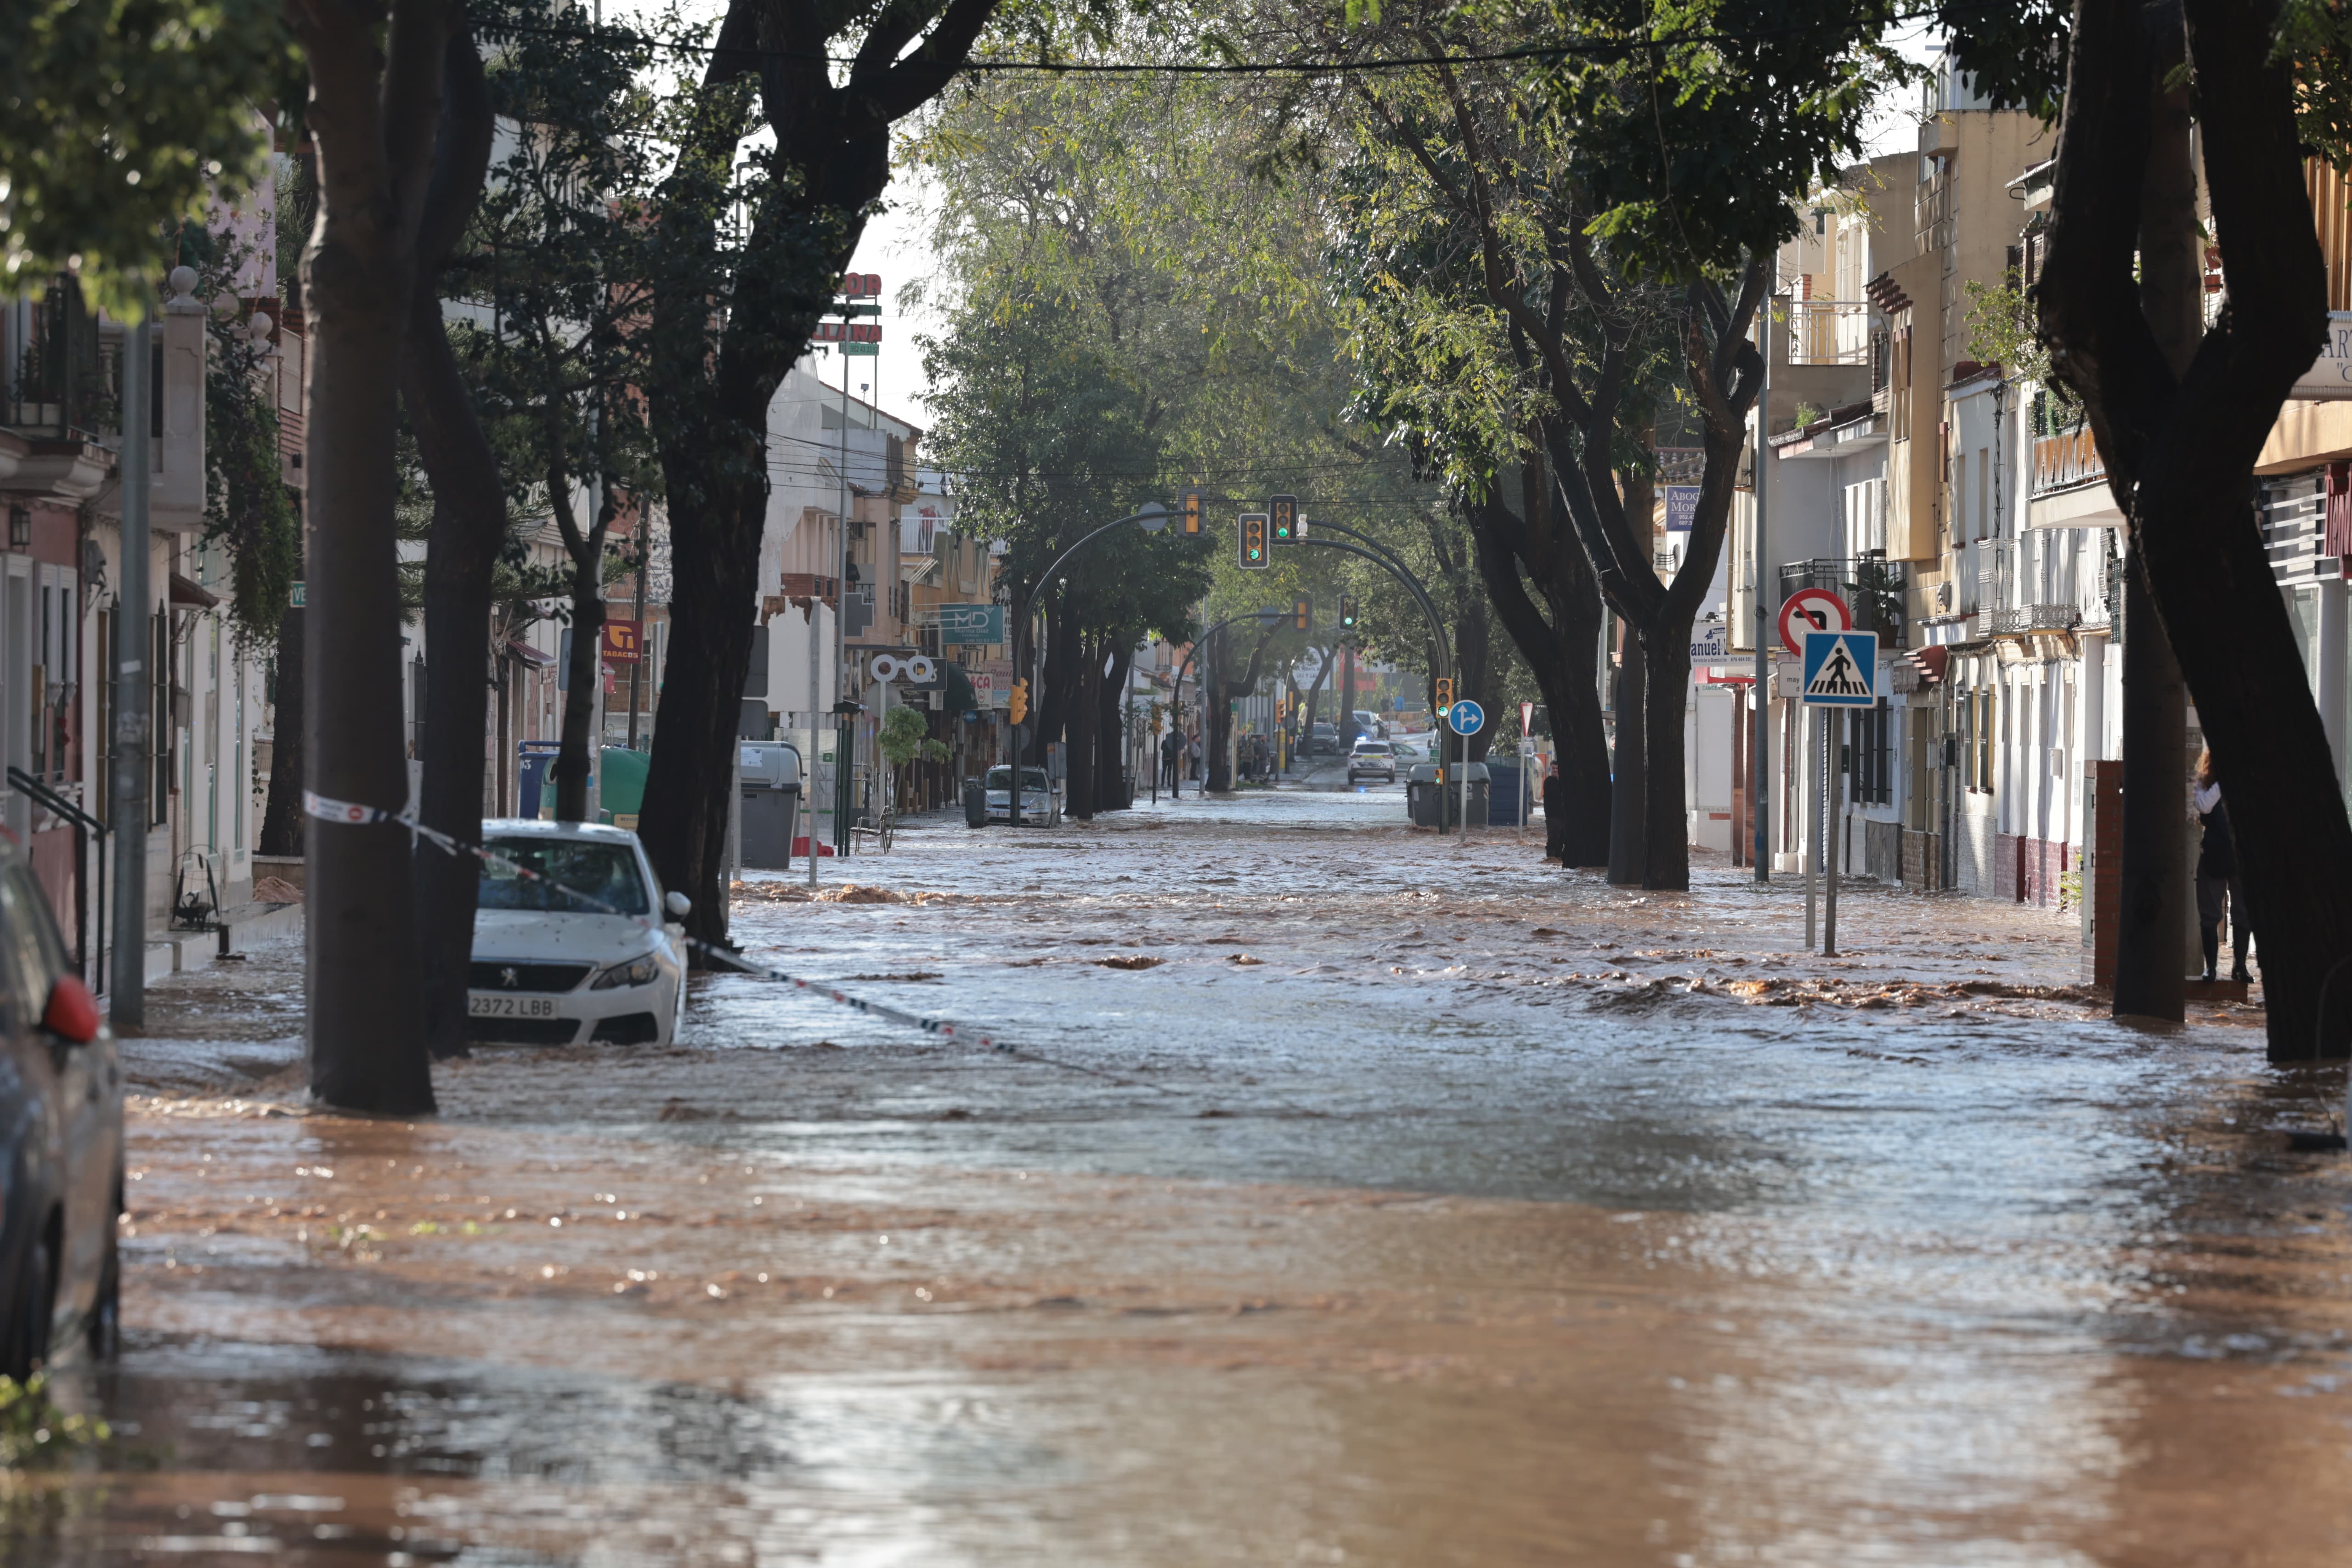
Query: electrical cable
[1565,49]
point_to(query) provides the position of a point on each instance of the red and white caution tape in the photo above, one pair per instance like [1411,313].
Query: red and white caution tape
[353,814]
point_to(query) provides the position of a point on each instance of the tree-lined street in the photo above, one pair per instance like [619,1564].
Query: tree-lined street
[1483,809]
[1906,1257]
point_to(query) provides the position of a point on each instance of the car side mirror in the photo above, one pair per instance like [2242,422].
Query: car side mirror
[73,1013]
[678,904]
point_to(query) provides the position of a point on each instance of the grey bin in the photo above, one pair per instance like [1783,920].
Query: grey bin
[1427,798]
[771,798]
[1421,795]
[975,803]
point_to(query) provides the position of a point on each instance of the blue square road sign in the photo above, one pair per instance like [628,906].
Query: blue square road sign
[1840,669]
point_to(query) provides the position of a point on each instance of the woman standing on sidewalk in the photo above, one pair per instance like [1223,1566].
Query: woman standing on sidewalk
[2217,893]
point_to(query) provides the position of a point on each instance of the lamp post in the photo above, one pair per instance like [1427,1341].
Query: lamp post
[1152,516]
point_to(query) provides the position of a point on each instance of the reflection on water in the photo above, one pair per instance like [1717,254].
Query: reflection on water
[1487,1216]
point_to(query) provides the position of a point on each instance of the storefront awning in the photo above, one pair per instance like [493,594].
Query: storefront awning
[190,595]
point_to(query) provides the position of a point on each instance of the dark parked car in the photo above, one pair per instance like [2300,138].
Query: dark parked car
[60,1143]
[1323,740]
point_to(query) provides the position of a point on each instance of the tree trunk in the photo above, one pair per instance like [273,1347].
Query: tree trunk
[575,763]
[375,103]
[1628,797]
[1315,695]
[1560,642]
[281,818]
[1217,717]
[1113,790]
[457,713]
[2179,452]
[1665,824]
[1084,701]
[460,554]
[715,561]
[1475,656]
[2156,887]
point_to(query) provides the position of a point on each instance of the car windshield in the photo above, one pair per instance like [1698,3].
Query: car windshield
[605,873]
[1371,748]
[1031,778]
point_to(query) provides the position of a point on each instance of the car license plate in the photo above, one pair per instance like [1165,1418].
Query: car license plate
[495,1006]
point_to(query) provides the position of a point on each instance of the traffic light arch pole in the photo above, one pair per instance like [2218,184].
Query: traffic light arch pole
[1380,557]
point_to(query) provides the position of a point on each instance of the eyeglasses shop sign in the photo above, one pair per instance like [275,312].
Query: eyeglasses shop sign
[2330,375]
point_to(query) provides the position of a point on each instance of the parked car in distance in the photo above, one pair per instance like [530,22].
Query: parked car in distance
[1037,795]
[61,1138]
[1369,723]
[550,968]
[1323,740]
[1372,760]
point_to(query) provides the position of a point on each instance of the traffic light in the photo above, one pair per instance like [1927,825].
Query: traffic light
[1347,612]
[1444,691]
[1302,614]
[1254,554]
[1020,700]
[1284,510]
[1190,503]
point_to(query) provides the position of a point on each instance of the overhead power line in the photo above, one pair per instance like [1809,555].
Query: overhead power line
[1562,48]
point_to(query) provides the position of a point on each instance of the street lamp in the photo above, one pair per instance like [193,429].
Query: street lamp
[1151,516]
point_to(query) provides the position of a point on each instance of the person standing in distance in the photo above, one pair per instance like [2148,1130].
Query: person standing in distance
[2217,892]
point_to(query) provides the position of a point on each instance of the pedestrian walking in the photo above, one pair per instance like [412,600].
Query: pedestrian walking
[2219,895]
[1196,757]
[1169,747]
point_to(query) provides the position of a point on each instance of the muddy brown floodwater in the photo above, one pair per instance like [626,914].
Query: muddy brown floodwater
[1349,1197]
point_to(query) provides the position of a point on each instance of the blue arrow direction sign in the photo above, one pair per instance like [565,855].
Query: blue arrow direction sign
[1467,717]
[1840,669]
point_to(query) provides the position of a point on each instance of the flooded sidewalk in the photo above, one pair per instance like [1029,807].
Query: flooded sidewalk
[1349,1195]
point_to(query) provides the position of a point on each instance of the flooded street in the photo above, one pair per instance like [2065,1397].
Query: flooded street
[1344,1194]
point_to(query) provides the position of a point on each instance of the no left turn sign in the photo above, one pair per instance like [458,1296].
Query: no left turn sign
[1812,610]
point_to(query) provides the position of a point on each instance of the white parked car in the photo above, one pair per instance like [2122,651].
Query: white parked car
[1036,796]
[1372,760]
[551,969]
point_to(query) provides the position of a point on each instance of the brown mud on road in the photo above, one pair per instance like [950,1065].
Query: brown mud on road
[1493,1218]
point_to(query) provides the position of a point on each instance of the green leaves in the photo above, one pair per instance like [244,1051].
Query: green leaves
[119,119]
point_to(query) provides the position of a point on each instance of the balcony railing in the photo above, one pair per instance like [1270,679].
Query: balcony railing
[54,381]
[2065,460]
[2035,618]
[1681,465]
[1832,331]
[1870,585]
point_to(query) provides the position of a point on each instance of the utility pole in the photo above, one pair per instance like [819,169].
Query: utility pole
[133,684]
[637,670]
[1759,789]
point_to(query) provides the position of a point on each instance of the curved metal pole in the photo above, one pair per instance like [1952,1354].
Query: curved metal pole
[1037,645]
[1176,687]
[1412,584]
[1438,637]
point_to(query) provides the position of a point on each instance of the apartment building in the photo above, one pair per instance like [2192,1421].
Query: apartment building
[60,559]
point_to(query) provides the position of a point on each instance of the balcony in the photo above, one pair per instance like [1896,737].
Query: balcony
[1870,585]
[2032,618]
[2064,460]
[1835,331]
[56,385]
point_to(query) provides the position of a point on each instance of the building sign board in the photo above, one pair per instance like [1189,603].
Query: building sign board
[2330,375]
[1682,507]
[971,625]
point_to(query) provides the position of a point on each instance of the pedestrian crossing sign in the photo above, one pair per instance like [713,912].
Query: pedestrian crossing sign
[1840,669]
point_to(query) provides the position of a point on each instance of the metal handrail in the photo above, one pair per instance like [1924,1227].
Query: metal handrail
[92,965]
